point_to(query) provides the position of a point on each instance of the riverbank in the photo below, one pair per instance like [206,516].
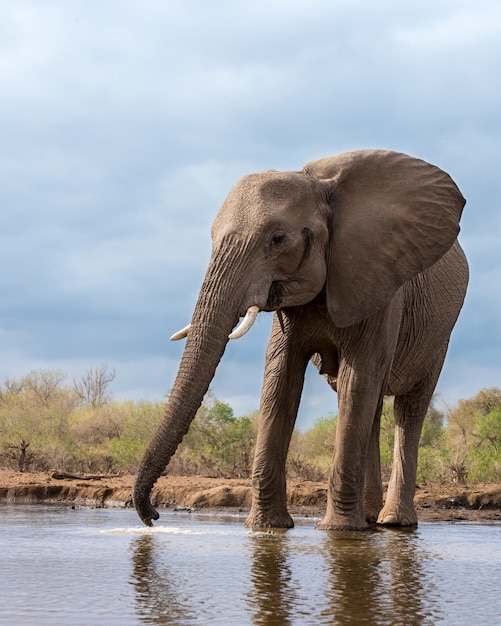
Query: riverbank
[433,502]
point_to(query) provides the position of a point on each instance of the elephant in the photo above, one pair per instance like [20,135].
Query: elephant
[357,256]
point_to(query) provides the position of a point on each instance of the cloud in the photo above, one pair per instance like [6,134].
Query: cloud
[125,126]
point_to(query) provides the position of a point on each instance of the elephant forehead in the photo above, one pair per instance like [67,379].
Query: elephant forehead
[265,194]
[281,188]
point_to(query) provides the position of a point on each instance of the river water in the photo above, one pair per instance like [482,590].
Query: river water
[64,566]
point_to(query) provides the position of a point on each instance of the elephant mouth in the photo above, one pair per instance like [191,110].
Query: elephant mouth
[275,296]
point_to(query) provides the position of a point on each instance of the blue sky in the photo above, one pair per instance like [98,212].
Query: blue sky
[125,124]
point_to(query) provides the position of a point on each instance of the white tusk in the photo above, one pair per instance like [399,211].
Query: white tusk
[246,324]
[181,334]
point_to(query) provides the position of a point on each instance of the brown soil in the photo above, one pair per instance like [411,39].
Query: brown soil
[433,502]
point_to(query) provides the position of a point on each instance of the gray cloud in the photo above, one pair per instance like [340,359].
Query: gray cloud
[125,126]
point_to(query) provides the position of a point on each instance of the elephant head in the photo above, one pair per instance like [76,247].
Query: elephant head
[349,229]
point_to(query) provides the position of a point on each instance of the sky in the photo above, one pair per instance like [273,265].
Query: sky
[123,126]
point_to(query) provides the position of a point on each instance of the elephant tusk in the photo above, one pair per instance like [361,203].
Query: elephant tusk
[181,334]
[246,324]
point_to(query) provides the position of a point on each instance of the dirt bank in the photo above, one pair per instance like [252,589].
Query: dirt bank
[433,502]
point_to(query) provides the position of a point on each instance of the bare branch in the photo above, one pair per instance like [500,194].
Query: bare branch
[92,387]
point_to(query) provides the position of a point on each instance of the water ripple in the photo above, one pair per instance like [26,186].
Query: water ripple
[95,566]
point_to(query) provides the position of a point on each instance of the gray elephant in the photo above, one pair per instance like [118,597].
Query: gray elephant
[358,257]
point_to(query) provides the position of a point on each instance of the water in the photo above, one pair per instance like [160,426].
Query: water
[63,566]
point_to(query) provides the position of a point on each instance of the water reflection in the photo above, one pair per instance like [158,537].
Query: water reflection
[374,578]
[227,576]
[411,588]
[200,570]
[159,598]
[354,569]
[377,578]
[272,598]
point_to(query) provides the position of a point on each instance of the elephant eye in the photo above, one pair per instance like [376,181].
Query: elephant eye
[277,239]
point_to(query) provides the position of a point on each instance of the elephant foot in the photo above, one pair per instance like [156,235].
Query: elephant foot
[394,517]
[259,518]
[330,522]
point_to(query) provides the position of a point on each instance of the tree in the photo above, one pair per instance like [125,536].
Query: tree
[474,436]
[318,442]
[218,443]
[92,387]
[21,459]
[44,385]
[488,431]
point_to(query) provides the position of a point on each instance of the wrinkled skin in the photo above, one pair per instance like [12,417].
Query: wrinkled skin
[358,254]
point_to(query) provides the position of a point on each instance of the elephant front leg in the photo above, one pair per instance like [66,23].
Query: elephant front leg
[283,383]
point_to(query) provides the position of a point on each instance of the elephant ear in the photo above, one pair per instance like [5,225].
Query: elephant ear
[393,216]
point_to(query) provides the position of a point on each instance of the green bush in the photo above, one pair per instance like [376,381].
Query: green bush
[473,432]
[47,424]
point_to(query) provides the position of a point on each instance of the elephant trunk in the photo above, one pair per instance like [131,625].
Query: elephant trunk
[216,312]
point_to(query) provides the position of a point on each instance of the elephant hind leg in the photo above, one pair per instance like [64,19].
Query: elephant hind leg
[410,410]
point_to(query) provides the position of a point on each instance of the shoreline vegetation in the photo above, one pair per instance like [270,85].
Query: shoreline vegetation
[71,443]
[434,502]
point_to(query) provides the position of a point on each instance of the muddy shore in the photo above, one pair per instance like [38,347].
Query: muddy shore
[480,502]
